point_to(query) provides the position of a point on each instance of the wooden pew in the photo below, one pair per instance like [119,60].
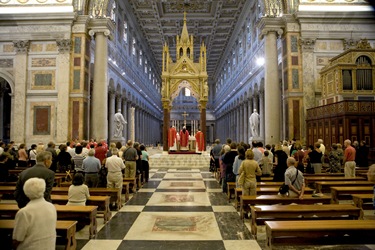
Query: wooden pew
[264,191]
[361,231]
[86,214]
[231,186]
[126,189]
[102,202]
[339,192]
[361,199]
[320,185]
[133,183]
[260,214]
[310,180]
[65,229]
[245,201]
[324,175]
[114,193]
[8,183]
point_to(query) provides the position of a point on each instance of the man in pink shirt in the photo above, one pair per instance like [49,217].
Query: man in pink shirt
[349,157]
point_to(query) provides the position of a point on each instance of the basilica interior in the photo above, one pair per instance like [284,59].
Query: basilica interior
[67,66]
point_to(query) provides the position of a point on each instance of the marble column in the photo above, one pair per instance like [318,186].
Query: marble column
[238,124]
[271,87]
[99,94]
[18,124]
[2,90]
[245,121]
[111,110]
[255,103]
[118,103]
[241,123]
[250,111]
[124,110]
[307,48]
[132,124]
[129,105]
[261,114]
[166,119]
[63,65]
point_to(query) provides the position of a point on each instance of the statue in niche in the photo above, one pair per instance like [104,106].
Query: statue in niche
[254,123]
[119,124]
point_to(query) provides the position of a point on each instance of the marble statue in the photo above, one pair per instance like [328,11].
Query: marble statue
[254,123]
[119,124]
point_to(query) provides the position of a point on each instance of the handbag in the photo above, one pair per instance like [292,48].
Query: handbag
[285,188]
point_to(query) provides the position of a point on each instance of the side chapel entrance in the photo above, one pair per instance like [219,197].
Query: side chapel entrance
[184,72]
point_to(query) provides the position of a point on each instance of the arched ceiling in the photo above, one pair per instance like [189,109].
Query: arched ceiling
[211,21]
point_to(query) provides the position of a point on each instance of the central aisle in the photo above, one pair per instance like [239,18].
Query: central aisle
[176,209]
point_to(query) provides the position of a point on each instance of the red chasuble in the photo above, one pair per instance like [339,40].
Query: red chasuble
[171,137]
[184,138]
[200,140]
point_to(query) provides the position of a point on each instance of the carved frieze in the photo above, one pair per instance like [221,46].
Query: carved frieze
[6,63]
[21,46]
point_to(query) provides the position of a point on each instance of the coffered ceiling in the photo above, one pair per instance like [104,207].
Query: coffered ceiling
[211,21]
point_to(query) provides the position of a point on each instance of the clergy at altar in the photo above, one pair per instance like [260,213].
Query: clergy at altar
[199,140]
[172,139]
[184,139]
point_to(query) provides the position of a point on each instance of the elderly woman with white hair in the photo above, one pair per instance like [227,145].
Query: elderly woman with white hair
[35,224]
[294,179]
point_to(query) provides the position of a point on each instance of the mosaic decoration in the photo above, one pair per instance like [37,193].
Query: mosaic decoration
[175,224]
[42,117]
[179,198]
[43,62]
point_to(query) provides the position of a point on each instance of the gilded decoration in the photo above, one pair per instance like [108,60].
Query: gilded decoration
[8,48]
[184,73]
[43,62]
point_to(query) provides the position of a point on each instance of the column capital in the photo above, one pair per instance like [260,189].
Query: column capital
[271,25]
[101,25]
[21,46]
[307,44]
[64,45]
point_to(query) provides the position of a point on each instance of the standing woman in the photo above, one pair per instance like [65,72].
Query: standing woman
[22,156]
[237,162]
[32,155]
[249,169]
[315,157]
[145,164]
[280,164]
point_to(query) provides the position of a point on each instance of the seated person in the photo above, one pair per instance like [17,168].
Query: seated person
[78,192]
[35,224]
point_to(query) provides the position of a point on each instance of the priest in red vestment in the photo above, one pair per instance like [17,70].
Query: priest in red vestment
[184,139]
[199,139]
[172,139]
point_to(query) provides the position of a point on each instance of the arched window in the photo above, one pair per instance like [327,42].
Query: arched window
[145,66]
[113,11]
[140,57]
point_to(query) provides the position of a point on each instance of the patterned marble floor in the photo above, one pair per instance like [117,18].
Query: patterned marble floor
[176,209]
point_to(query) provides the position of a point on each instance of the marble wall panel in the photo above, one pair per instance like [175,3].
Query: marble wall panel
[7,48]
[6,63]
[43,79]
[42,118]
[36,47]
[51,47]
[43,62]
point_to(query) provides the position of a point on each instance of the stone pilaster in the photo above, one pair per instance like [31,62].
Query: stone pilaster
[101,30]
[18,124]
[124,111]
[270,30]
[250,110]
[62,116]
[241,123]
[307,48]
[132,124]
[245,121]
[128,118]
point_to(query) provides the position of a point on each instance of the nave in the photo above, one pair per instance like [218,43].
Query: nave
[179,208]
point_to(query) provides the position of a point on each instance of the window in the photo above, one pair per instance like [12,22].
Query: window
[187,92]
[133,47]
[145,66]
[113,11]
[125,35]
[140,57]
